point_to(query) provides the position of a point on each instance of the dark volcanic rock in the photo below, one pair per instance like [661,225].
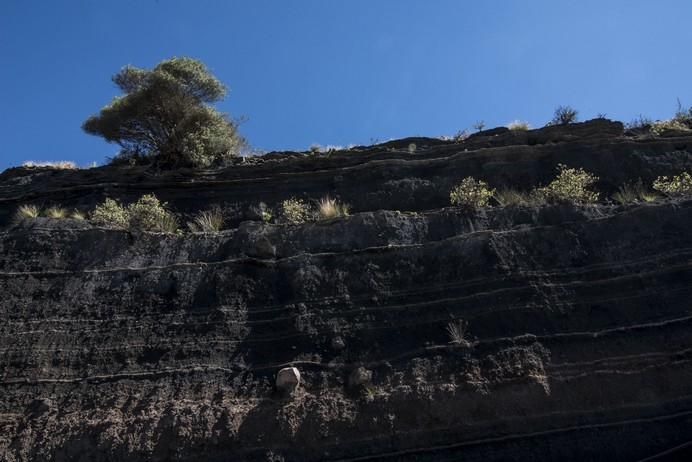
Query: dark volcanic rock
[140,347]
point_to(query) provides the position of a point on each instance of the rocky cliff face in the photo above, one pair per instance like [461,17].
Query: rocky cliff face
[421,331]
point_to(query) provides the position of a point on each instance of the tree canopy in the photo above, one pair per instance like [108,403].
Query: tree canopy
[165,116]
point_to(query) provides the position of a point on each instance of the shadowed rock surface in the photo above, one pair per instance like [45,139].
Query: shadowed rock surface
[143,346]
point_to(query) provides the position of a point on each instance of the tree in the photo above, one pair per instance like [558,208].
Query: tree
[564,115]
[165,116]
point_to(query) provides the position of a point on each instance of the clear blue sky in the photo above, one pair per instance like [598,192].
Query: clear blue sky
[341,72]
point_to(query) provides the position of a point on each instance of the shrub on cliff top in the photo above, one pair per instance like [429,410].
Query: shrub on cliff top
[164,116]
[471,193]
[570,185]
[564,115]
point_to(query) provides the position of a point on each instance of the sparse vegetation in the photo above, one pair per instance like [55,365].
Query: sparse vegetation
[675,186]
[457,331]
[207,221]
[460,136]
[412,148]
[479,126]
[518,126]
[150,214]
[661,126]
[56,212]
[328,208]
[77,215]
[508,197]
[640,123]
[146,214]
[571,185]
[295,211]
[110,213]
[471,193]
[58,164]
[26,211]
[630,193]
[564,115]
[681,121]
[164,117]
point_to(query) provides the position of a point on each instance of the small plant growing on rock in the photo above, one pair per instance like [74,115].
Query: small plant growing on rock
[111,214]
[207,221]
[295,211]
[675,186]
[77,215]
[630,193]
[570,185]
[508,197]
[147,214]
[457,331]
[661,126]
[26,211]
[518,126]
[56,212]
[564,115]
[59,164]
[640,123]
[331,208]
[471,193]
[150,214]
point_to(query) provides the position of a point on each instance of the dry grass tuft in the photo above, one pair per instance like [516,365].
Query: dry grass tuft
[58,164]
[457,331]
[26,211]
[56,212]
[518,126]
[77,215]
[207,221]
[329,208]
[632,193]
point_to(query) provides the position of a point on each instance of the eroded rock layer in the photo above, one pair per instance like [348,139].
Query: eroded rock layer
[421,332]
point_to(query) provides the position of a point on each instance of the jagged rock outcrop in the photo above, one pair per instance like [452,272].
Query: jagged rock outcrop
[122,346]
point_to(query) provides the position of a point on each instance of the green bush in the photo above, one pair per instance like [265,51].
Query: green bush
[110,213]
[164,117]
[295,211]
[146,214]
[150,214]
[570,185]
[677,185]
[471,193]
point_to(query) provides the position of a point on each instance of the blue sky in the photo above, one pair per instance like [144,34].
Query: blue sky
[342,72]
